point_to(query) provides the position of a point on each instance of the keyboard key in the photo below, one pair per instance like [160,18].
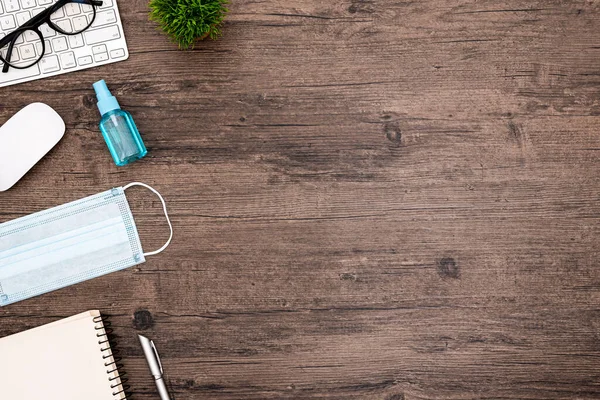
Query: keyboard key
[20,39]
[49,64]
[104,18]
[67,60]
[117,53]
[47,48]
[14,56]
[28,3]
[72,9]
[85,60]
[1,9]
[30,36]
[59,44]
[101,57]
[80,23]
[58,14]
[16,74]
[47,31]
[106,3]
[76,41]
[44,2]
[102,35]
[101,48]
[11,5]
[87,9]
[36,11]
[8,22]
[23,17]
[65,25]
[25,63]
[27,52]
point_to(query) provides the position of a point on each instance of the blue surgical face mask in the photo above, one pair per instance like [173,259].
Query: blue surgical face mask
[69,244]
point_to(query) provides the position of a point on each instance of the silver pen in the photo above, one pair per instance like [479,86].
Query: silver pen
[155,366]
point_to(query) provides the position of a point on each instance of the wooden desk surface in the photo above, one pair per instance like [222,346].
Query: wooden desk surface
[371,200]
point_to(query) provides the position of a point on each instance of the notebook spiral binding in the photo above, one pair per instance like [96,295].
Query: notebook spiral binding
[106,340]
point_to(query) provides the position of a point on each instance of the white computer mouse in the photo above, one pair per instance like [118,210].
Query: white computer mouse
[25,139]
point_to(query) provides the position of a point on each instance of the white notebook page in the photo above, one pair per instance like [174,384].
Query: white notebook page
[58,361]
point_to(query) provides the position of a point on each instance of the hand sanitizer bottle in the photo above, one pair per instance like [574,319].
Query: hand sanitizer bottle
[120,133]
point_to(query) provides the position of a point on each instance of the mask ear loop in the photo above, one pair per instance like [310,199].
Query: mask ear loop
[151,253]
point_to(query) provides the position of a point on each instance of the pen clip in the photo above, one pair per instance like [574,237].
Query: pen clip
[157,356]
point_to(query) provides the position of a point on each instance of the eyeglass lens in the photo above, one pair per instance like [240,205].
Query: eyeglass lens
[27,49]
[72,18]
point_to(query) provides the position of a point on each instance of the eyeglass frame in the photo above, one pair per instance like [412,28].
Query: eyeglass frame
[35,22]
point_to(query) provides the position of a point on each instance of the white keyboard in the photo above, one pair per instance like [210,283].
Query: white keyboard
[102,43]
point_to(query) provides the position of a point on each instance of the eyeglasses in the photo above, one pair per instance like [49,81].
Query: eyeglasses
[25,46]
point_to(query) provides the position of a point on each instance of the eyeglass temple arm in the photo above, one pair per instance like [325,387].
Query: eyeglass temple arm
[10,40]
[7,39]
[8,56]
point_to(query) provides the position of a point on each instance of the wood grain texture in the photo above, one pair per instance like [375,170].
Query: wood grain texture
[372,199]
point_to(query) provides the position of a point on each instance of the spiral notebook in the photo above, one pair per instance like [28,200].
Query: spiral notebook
[70,359]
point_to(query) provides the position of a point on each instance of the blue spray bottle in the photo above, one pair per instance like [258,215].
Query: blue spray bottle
[120,133]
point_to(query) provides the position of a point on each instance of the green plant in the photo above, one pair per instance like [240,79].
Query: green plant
[186,21]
